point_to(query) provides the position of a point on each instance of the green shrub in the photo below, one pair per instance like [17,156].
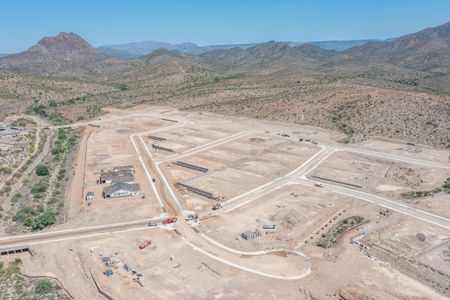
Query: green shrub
[23,213]
[46,219]
[16,197]
[43,286]
[38,189]
[123,87]
[7,188]
[42,170]
[62,135]
[5,170]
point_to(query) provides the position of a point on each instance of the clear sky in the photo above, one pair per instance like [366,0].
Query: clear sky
[24,22]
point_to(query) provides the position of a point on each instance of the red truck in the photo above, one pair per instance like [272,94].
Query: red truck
[169,220]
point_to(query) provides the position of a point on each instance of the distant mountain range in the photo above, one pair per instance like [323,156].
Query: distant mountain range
[137,49]
[427,50]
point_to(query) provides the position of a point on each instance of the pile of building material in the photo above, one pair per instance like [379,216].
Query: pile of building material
[191,166]
[156,138]
[250,235]
[156,147]
[337,181]
[196,190]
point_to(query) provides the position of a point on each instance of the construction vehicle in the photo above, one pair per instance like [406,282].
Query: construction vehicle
[145,244]
[169,220]
[217,206]
[191,217]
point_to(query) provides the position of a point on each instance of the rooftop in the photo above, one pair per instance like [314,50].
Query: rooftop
[121,186]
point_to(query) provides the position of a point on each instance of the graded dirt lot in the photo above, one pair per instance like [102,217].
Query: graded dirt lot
[385,177]
[297,213]
[291,195]
[240,165]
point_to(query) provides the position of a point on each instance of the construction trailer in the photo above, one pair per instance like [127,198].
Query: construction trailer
[121,190]
[269,226]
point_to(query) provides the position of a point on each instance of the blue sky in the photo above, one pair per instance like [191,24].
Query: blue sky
[24,22]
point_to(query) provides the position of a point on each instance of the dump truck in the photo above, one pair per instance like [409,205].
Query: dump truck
[145,244]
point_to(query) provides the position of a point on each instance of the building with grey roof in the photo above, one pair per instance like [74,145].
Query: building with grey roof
[121,189]
[116,177]
[125,169]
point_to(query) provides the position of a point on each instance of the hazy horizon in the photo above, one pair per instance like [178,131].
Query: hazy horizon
[210,23]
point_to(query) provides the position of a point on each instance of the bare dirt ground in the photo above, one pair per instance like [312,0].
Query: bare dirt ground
[261,173]
[388,178]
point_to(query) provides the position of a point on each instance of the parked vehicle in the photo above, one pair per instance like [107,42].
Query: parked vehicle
[145,244]
[191,217]
[217,206]
[169,220]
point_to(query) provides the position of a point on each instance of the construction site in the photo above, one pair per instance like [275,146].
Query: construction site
[193,205]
